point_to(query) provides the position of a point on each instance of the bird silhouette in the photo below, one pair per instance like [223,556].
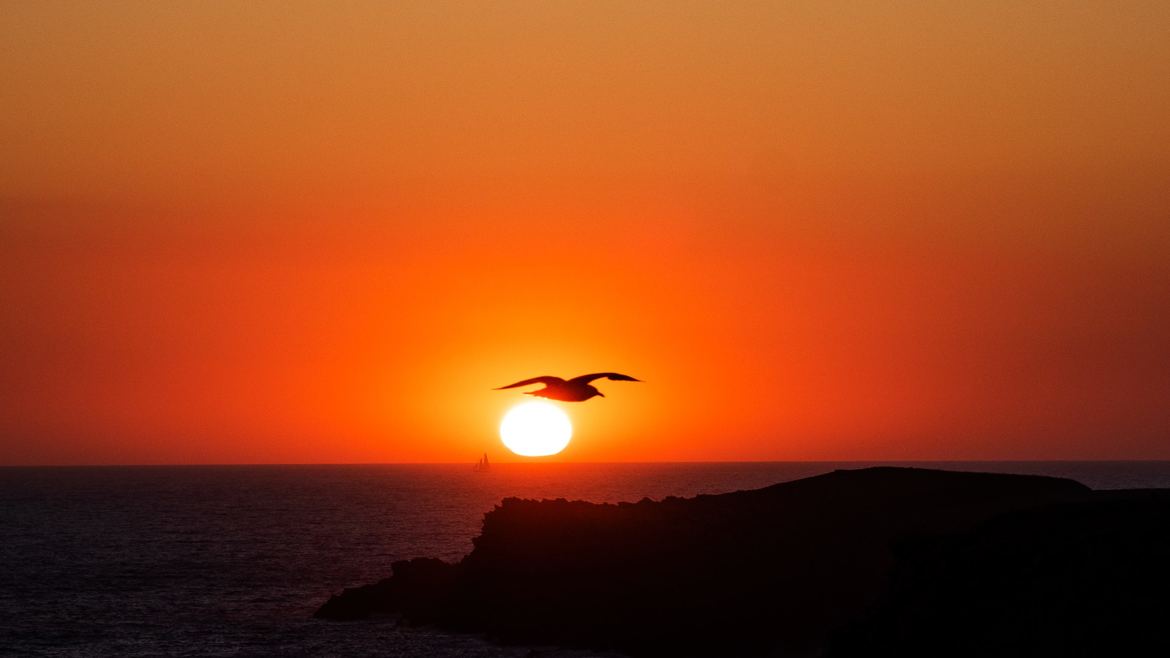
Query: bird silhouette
[577,389]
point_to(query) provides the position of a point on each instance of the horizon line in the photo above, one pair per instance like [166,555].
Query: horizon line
[592,463]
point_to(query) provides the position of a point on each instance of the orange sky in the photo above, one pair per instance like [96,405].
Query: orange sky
[238,232]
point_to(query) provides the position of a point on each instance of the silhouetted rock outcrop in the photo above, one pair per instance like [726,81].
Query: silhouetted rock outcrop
[1076,579]
[418,589]
[853,562]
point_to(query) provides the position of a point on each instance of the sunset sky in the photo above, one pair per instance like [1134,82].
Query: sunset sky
[322,232]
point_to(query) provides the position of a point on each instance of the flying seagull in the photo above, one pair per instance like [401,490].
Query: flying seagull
[577,389]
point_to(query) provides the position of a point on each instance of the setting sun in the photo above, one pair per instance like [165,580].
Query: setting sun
[536,429]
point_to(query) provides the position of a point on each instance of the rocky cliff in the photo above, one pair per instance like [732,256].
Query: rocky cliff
[877,561]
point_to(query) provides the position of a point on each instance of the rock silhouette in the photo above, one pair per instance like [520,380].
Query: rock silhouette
[1074,579]
[879,561]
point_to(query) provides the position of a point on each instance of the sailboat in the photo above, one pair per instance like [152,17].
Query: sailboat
[483,464]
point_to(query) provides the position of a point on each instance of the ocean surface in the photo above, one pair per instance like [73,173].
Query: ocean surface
[233,560]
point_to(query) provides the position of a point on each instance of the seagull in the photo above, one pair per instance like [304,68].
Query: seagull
[577,389]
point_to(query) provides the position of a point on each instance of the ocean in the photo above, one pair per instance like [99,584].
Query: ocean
[233,560]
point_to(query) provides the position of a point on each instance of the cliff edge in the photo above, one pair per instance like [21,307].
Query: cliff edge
[876,561]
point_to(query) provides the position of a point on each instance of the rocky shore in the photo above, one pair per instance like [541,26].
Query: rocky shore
[877,561]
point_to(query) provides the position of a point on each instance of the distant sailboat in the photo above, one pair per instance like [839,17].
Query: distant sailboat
[483,464]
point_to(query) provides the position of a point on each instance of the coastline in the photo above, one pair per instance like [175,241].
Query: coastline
[842,564]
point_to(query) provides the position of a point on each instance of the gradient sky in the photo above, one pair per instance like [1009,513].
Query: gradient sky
[301,232]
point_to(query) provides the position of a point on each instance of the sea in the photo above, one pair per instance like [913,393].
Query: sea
[234,560]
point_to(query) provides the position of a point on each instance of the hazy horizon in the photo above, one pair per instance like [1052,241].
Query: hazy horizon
[562,462]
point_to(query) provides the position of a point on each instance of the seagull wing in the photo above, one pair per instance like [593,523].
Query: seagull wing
[546,380]
[616,376]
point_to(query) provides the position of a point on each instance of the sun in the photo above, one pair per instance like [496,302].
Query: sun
[536,429]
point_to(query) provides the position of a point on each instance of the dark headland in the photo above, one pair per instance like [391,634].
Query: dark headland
[876,561]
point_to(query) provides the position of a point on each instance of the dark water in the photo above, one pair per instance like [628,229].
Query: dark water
[233,560]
